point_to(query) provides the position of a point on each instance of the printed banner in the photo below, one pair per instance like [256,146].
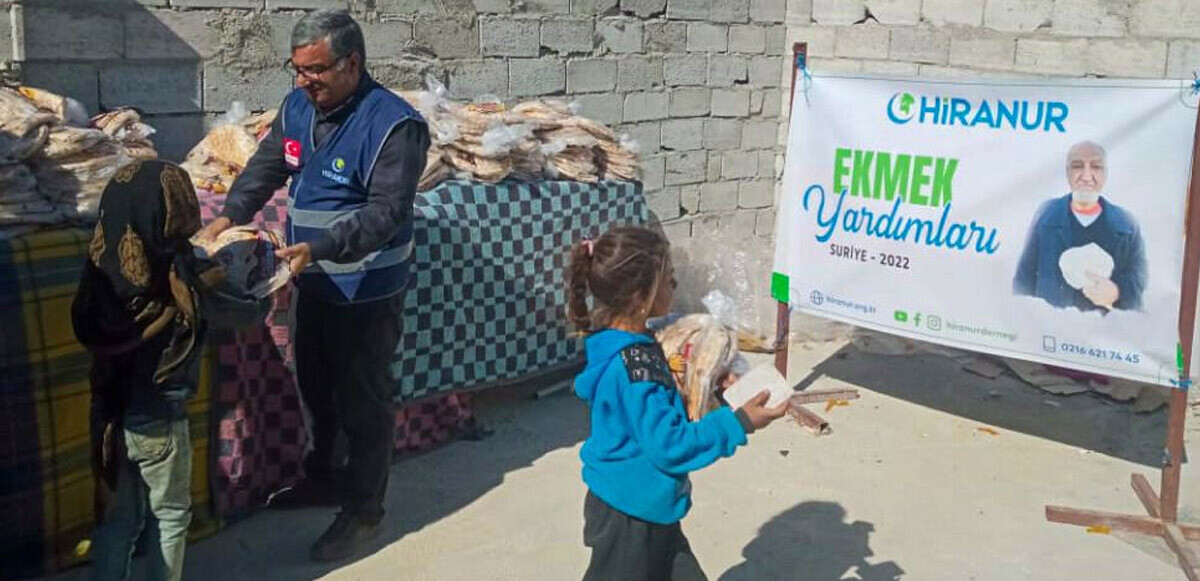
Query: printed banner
[1042,220]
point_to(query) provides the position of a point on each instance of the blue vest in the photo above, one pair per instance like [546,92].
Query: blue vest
[329,183]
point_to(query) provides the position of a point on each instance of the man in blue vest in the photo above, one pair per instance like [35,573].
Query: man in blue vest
[354,152]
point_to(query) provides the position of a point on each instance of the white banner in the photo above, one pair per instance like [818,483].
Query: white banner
[1042,220]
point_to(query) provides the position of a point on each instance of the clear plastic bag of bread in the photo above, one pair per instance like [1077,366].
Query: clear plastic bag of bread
[222,155]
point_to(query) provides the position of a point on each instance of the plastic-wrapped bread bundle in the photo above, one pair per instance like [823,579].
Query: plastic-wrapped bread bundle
[436,169]
[126,128]
[67,110]
[220,157]
[701,351]
[24,128]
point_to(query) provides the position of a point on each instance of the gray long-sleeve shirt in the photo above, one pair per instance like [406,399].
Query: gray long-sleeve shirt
[390,192]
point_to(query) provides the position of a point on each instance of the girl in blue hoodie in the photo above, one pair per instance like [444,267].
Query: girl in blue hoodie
[642,446]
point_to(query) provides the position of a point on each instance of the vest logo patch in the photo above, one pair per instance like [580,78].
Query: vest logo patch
[339,164]
[291,152]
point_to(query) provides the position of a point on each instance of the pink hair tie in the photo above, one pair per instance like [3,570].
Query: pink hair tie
[589,245]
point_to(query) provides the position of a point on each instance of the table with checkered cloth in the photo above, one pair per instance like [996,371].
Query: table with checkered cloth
[45,467]
[486,305]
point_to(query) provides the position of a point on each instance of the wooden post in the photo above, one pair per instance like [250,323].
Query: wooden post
[783,318]
[1187,328]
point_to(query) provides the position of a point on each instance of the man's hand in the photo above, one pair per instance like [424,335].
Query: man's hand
[759,414]
[214,228]
[298,257]
[1102,292]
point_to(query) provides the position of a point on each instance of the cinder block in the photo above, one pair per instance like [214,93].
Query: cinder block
[838,12]
[79,81]
[175,135]
[823,65]
[799,13]
[258,89]
[677,232]
[775,40]
[406,73]
[1051,56]
[714,167]
[691,102]
[889,68]
[531,77]
[820,40]
[747,38]
[544,7]
[595,7]
[722,134]
[737,165]
[920,44]
[1018,15]
[689,9]
[654,172]
[731,102]
[768,71]
[705,37]
[1166,19]
[685,70]
[469,79]
[568,36]
[52,34]
[639,73]
[593,76]
[760,134]
[620,35]
[863,41]
[686,167]
[644,8]
[493,6]
[302,4]
[647,136]
[391,38]
[168,34]
[218,4]
[756,102]
[943,12]
[1127,58]
[756,194]
[407,7]
[646,106]
[730,11]
[982,48]
[689,198]
[604,108]
[728,70]
[279,27]
[739,225]
[764,223]
[772,102]
[664,203]
[1091,18]
[895,12]
[683,134]
[1183,58]
[768,10]
[509,37]
[720,196]
[770,165]
[666,36]
[450,38]
[153,88]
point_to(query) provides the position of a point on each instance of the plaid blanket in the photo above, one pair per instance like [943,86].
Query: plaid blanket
[45,399]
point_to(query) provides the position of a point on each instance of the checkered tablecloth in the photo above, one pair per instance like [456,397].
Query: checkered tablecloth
[486,305]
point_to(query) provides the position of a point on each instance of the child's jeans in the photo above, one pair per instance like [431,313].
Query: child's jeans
[153,496]
[625,548]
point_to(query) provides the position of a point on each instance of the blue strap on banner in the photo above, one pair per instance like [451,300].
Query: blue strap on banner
[1182,384]
[805,77]
[1195,83]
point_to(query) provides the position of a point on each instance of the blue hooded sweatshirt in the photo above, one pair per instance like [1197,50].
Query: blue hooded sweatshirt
[642,445]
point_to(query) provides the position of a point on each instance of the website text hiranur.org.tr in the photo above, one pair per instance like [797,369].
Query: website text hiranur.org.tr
[981,331]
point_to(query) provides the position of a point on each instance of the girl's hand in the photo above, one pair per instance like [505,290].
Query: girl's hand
[758,414]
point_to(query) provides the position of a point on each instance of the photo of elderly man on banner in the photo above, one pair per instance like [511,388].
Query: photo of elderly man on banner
[1083,250]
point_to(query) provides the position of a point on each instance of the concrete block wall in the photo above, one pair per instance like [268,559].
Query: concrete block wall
[696,83]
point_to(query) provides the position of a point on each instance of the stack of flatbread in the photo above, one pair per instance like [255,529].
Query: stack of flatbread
[55,162]
[224,152]
[700,350]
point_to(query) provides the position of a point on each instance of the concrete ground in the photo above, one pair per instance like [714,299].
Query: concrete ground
[934,474]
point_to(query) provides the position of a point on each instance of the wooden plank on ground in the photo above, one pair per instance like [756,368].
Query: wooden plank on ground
[1146,494]
[1090,518]
[1188,560]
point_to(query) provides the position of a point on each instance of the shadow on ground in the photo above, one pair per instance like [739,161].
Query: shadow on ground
[812,541]
[1087,421]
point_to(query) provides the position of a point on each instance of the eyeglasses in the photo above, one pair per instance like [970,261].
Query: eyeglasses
[312,71]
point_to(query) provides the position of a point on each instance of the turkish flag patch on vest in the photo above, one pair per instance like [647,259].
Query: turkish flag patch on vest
[291,152]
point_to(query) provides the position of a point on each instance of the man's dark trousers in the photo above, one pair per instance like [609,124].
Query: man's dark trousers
[343,365]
